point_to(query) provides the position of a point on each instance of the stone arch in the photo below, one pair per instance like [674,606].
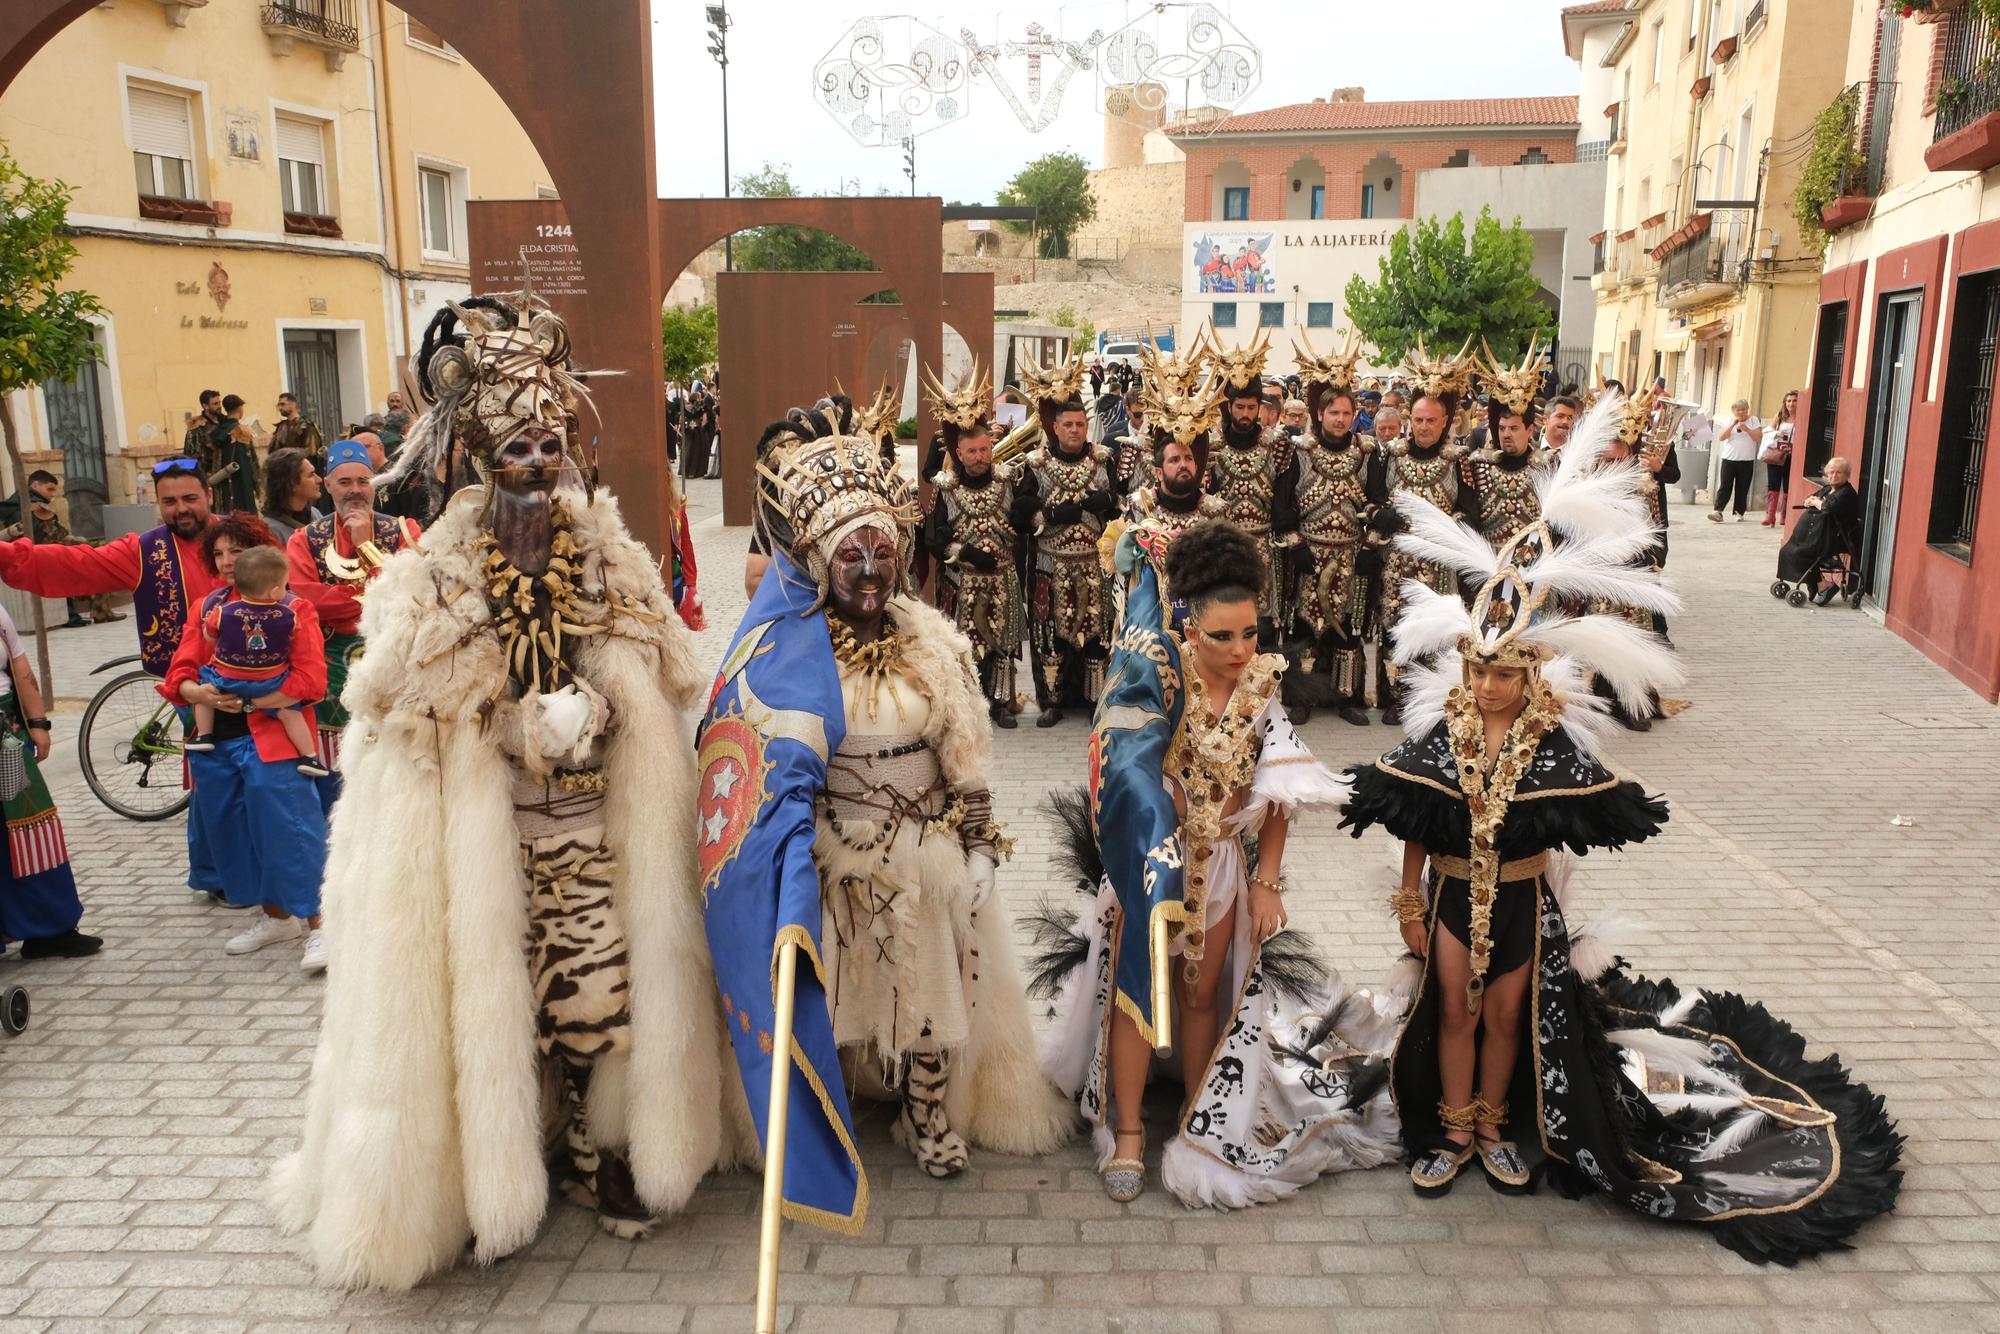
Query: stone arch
[579,80]
[1298,184]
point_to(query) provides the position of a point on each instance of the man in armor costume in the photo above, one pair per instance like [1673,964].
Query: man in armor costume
[1066,481]
[1133,460]
[1252,471]
[1503,473]
[1425,462]
[973,532]
[1630,438]
[1329,562]
[517,983]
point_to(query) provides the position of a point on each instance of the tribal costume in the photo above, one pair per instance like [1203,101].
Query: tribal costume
[1503,481]
[1294,1086]
[1330,561]
[512,923]
[1069,485]
[1692,1107]
[973,532]
[844,807]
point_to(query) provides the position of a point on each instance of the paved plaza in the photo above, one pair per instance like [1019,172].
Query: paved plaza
[160,1080]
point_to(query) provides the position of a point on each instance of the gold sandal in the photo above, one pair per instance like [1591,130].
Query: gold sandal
[1435,1169]
[1125,1178]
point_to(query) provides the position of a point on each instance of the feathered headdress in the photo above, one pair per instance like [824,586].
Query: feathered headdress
[1542,597]
[1326,372]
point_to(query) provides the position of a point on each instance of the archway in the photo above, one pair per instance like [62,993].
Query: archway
[1381,188]
[580,81]
[1229,192]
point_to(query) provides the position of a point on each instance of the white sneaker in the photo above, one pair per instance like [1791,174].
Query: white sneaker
[268,931]
[314,959]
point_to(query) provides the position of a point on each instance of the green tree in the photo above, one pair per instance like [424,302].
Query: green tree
[784,247]
[1440,285]
[687,340]
[1057,186]
[45,331]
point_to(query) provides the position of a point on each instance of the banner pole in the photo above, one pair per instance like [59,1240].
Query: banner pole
[774,1141]
[1163,994]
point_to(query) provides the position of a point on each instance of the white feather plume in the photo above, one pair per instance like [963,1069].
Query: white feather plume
[1431,534]
[1677,1014]
[1586,716]
[1756,1186]
[1666,1054]
[1595,946]
[1635,663]
[1745,1126]
[1431,622]
[1582,570]
[1423,687]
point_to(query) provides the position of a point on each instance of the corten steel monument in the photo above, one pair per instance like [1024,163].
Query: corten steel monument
[904,238]
[579,77]
[791,337]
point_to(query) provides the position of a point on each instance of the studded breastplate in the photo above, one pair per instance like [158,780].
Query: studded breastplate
[980,516]
[1333,495]
[1241,480]
[1070,481]
[1435,479]
[1507,499]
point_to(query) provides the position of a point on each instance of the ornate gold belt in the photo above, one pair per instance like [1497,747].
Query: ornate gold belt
[1527,868]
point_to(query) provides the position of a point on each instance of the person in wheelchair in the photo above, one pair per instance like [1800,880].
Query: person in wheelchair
[1838,506]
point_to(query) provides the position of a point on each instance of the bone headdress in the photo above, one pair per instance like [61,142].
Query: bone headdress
[1516,387]
[964,407]
[1241,369]
[1059,382]
[1447,376]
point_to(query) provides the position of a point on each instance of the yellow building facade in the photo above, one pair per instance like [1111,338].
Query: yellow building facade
[269,197]
[1702,276]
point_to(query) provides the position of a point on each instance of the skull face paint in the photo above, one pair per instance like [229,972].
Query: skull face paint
[862,576]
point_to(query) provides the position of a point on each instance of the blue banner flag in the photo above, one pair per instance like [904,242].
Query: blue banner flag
[773,718]
[1131,809]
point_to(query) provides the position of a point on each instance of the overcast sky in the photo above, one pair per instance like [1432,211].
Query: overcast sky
[1396,49]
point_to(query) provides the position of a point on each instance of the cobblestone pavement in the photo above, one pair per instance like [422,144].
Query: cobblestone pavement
[160,1080]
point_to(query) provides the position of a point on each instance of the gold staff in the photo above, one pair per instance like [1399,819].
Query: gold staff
[1163,993]
[774,1141]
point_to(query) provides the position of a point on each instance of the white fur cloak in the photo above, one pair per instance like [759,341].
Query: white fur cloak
[424,1119]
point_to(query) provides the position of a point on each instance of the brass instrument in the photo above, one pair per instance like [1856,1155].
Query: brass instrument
[1662,432]
[1019,441]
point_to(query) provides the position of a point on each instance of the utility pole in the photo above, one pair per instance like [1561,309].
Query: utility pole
[718,47]
[910,161]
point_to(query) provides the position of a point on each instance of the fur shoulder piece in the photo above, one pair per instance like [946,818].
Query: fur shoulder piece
[1102,453]
[620,569]
[941,658]
[1005,472]
[1036,457]
[946,480]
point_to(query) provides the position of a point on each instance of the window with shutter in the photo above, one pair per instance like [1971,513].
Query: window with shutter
[302,165]
[435,195]
[162,132]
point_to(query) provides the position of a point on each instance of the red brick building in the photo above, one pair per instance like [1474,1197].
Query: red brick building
[1346,157]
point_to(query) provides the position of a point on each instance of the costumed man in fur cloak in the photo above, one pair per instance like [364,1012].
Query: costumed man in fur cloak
[1530,1049]
[844,808]
[974,533]
[1503,473]
[1068,480]
[517,979]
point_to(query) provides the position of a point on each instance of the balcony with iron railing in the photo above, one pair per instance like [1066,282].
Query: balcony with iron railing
[1700,262]
[1966,134]
[1616,114]
[1851,151]
[329,25]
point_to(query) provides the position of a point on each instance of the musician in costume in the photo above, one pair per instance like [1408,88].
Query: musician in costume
[333,559]
[1066,481]
[1132,465]
[1180,949]
[1425,463]
[973,533]
[844,807]
[1638,433]
[1252,470]
[517,987]
[1502,474]
[164,571]
[1529,1047]
[1329,562]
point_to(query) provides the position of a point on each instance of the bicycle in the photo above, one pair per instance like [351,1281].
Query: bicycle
[128,746]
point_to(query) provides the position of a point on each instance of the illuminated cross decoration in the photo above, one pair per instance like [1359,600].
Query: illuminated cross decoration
[1039,43]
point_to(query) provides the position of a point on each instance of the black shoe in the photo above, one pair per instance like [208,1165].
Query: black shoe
[1049,718]
[68,945]
[73,622]
[1298,715]
[1002,718]
[1393,716]
[1825,595]
[1355,714]
[1635,723]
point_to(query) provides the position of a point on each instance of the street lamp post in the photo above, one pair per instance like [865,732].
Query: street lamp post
[718,46]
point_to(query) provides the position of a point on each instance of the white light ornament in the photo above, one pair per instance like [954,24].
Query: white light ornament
[1177,63]
[892,78]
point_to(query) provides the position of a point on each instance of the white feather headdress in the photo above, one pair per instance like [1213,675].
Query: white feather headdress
[1551,599]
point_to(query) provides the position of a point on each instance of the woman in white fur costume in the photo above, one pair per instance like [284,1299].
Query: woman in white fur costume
[854,714]
[1280,1063]
[517,730]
